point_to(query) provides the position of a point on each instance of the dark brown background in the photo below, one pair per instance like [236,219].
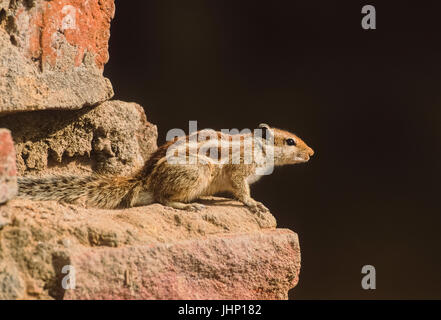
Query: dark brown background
[368,102]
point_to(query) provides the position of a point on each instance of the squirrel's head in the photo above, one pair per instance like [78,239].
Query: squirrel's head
[288,148]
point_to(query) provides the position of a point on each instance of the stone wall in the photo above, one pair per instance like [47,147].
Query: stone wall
[111,138]
[52,53]
[58,117]
[8,170]
[152,252]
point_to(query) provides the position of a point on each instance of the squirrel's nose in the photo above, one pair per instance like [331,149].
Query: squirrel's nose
[310,152]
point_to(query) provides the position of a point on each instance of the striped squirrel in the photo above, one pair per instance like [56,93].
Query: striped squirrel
[178,184]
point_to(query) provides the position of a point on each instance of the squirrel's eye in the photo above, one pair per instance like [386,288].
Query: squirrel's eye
[290,142]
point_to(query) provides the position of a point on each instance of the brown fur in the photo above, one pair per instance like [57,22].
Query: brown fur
[176,185]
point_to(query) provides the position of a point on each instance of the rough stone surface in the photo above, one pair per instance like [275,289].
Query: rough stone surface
[114,137]
[151,252]
[8,170]
[52,53]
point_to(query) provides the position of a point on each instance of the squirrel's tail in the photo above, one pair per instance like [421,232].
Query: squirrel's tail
[94,191]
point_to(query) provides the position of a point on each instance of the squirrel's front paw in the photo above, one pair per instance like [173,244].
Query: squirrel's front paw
[195,207]
[257,207]
[185,206]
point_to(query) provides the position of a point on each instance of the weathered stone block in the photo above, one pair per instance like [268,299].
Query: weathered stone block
[112,138]
[149,252]
[52,53]
[8,171]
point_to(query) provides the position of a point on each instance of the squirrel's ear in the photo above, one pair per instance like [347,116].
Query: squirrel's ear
[264,125]
[266,130]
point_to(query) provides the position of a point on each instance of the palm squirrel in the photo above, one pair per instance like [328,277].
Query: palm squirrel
[177,181]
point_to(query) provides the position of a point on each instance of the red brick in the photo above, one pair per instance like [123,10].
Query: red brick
[8,171]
